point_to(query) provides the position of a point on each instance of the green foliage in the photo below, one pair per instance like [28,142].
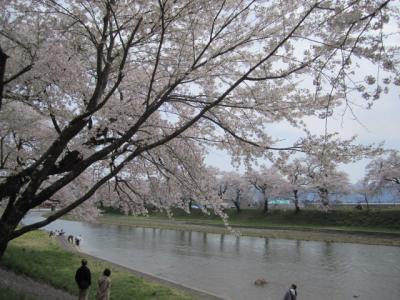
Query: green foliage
[111,210]
[41,258]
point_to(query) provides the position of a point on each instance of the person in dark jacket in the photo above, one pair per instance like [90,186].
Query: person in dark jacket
[291,294]
[83,280]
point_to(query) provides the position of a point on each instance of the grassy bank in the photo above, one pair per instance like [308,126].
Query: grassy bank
[42,259]
[387,220]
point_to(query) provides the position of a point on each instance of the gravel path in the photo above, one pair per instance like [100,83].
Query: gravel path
[31,288]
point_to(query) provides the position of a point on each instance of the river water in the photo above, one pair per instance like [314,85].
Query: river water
[227,266]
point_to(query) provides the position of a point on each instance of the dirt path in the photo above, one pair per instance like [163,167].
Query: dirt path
[31,288]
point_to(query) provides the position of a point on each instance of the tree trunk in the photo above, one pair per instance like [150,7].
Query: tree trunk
[3,247]
[366,200]
[237,206]
[190,204]
[236,202]
[8,223]
[296,201]
[266,208]
[324,197]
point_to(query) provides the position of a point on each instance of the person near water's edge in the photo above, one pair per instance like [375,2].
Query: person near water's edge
[291,294]
[83,280]
[78,240]
[71,239]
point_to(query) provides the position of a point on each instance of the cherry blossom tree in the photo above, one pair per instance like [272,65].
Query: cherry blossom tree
[129,92]
[232,187]
[318,169]
[268,182]
[362,188]
[383,173]
[311,174]
[327,182]
[167,180]
[297,176]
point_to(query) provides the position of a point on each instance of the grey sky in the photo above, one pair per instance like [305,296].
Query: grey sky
[379,124]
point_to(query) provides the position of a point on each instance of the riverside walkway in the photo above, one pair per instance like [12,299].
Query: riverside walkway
[34,289]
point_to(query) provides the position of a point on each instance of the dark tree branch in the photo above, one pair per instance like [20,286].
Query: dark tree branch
[3,61]
[15,76]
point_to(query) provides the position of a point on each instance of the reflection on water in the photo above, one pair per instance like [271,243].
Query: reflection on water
[227,265]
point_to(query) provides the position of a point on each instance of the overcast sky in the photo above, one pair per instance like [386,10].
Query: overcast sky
[379,124]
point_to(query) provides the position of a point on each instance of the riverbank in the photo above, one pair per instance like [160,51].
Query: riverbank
[44,260]
[376,227]
[196,293]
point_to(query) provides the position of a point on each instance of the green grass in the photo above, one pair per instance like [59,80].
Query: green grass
[9,294]
[345,219]
[42,259]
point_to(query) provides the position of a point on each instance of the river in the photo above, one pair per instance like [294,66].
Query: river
[227,265]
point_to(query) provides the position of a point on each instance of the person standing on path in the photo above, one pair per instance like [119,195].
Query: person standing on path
[103,291]
[83,280]
[291,294]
